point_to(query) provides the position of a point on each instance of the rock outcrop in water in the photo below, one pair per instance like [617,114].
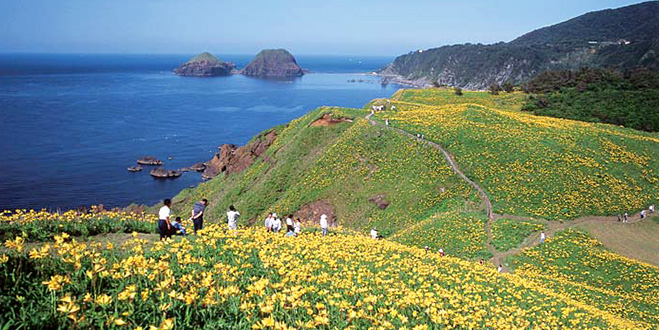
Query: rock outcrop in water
[161,173]
[149,160]
[232,158]
[273,63]
[205,65]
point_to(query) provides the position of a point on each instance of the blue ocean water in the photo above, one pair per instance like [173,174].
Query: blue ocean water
[71,124]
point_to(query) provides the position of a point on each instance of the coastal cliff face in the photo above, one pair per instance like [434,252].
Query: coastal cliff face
[232,159]
[273,63]
[205,65]
[624,37]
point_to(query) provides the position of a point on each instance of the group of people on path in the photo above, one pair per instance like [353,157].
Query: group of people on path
[168,227]
[624,218]
[273,224]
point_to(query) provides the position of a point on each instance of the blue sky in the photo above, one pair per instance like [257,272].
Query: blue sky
[355,27]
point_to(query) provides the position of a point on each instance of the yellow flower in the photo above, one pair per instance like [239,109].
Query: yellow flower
[17,244]
[103,300]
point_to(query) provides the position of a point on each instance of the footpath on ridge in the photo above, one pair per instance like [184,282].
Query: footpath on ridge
[449,159]
[531,241]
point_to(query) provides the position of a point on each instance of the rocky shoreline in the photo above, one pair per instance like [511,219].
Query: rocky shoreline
[397,79]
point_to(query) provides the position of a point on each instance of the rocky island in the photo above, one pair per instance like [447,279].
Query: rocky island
[205,65]
[273,63]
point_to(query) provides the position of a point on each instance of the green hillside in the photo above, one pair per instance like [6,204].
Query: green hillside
[342,165]
[532,165]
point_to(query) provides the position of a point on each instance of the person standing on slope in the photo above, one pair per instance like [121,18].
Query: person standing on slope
[289,223]
[298,227]
[324,226]
[197,215]
[164,227]
[268,223]
[374,233]
[276,224]
[232,218]
[542,237]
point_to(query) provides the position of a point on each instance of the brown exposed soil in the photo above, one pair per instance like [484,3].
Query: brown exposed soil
[312,212]
[233,159]
[380,201]
[327,120]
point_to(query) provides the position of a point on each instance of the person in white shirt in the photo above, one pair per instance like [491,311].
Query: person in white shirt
[268,222]
[232,218]
[374,233]
[276,225]
[289,223]
[323,224]
[542,237]
[651,208]
[164,226]
[298,227]
[642,214]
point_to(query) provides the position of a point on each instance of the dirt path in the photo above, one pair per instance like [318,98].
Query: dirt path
[499,257]
[632,239]
[456,170]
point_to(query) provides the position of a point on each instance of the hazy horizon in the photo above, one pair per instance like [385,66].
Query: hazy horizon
[388,28]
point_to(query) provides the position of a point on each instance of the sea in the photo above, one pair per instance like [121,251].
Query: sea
[70,124]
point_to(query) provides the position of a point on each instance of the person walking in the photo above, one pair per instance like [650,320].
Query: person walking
[324,226]
[164,226]
[542,237]
[232,218]
[298,227]
[625,217]
[197,215]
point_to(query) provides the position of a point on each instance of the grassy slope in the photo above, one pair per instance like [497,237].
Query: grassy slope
[347,164]
[574,264]
[634,240]
[531,165]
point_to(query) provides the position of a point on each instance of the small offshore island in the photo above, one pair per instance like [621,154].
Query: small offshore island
[268,63]
[205,65]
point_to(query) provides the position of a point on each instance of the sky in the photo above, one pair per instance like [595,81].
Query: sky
[341,27]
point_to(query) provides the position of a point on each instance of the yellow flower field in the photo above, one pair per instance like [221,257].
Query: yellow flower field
[254,280]
[532,165]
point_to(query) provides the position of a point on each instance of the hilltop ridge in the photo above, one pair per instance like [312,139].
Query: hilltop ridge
[624,37]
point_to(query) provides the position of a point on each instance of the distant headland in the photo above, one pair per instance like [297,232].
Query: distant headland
[272,63]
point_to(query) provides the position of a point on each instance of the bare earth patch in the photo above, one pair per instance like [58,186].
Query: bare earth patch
[636,240]
[327,120]
[312,212]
